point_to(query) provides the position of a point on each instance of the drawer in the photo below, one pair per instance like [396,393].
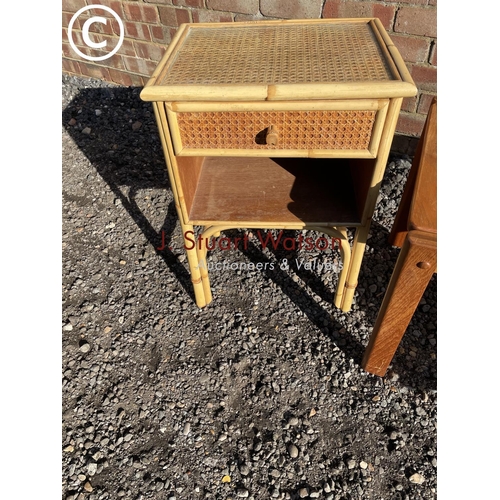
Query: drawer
[342,129]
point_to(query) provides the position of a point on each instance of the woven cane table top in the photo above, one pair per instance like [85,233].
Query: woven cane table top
[274,60]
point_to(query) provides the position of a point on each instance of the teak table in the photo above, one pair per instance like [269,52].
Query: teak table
[278,125]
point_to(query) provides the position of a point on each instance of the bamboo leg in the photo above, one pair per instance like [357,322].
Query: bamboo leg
[414,268]
[202,262]
[201,254]
[191,253]
[194,267]
[358,250]
[345,252]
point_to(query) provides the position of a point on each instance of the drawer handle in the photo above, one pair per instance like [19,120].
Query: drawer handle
[272,136]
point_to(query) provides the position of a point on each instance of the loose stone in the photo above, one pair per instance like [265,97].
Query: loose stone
[303,492]
[293,451]
[417,478]
[244,470]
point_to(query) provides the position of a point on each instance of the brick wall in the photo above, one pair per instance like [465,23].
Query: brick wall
[150,24]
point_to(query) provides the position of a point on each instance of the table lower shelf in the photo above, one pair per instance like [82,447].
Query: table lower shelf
[274,190]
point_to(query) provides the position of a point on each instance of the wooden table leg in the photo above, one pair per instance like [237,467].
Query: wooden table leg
[415,266]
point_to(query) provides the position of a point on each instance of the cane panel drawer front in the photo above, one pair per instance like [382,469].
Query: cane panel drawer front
[325,128]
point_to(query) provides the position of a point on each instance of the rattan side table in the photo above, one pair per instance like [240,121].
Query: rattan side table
[278,125]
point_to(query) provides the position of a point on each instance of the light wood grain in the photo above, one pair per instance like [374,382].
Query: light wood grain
[407,285]
[293,105]
[281,153]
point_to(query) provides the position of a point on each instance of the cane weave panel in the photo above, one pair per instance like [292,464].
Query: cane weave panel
[296,129]
[283,54]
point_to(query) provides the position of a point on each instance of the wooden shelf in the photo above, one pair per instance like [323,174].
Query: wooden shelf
[274,190]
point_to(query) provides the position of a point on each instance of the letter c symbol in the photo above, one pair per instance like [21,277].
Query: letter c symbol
[85,32]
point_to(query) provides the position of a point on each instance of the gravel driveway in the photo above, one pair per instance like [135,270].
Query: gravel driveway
[259,395]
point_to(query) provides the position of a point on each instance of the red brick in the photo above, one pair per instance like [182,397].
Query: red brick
[130,80]
[432,2]
[140,66]
[369,9]
[211,16]
[120,77]
[67,50]
[285,9]
[240,6]
[410,124]
[412,49]
[94,71]
[72,5]
[413,2]
[425,102]
[115,61]
[416,21]
[77,38]
[162,34]
[89,51]
[425,77]
[70,66]
[114,5]
[133,12]
[189,3]
[171,16]
[66,18]
[149,51]
[137,31]
[248,17]
[409,104]
[142,13]
[101,27]
[331,9]
[126,48]
[433,58]
[164,2]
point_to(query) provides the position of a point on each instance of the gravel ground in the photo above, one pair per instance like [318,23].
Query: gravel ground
[259,395]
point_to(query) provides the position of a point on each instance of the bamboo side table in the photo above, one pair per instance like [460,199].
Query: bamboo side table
[278,125]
